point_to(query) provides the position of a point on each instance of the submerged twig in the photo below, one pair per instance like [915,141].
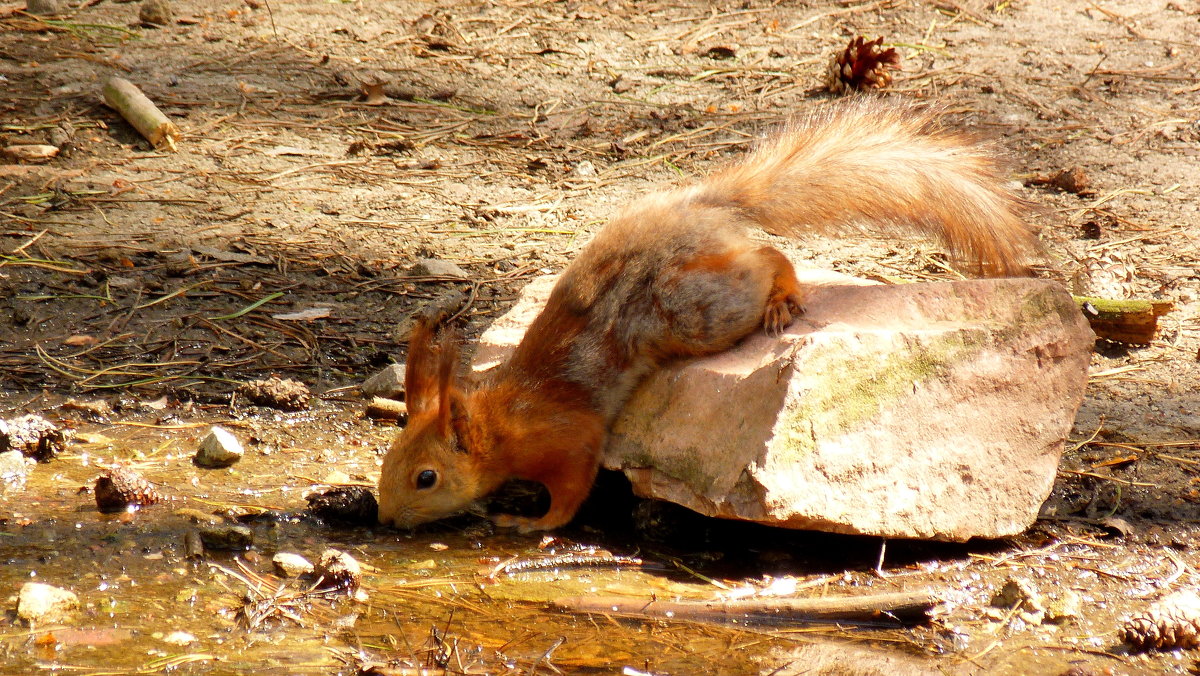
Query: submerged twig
[897,607]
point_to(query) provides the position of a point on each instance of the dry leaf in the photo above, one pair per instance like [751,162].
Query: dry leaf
[31,153]
[304,315]
[374,94]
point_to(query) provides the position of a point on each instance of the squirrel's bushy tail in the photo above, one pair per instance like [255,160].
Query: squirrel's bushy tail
[884,166]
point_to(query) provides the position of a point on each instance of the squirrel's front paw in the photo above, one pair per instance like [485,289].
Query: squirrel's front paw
[780,312]
[521,523]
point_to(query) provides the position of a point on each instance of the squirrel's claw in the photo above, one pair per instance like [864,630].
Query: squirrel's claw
[779,313]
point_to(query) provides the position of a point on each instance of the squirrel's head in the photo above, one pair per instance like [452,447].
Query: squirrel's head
[427,474]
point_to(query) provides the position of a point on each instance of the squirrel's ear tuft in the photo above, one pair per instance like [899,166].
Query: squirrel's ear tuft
[430,379]
[449,397]
[422,371]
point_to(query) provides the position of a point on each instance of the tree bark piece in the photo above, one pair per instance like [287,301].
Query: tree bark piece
[902,607]
[1124,321]
[124,97]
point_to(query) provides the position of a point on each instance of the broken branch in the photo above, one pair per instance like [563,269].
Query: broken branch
[124,97]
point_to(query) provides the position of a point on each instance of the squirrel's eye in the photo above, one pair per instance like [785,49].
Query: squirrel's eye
[426,479]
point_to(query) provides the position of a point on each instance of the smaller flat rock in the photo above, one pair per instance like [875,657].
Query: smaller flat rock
[388,383]
[227,538]
[180,638]
[436,267]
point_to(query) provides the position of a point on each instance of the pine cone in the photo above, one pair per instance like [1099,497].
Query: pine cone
[1173,622]
[120,488]
[1109,275]
[348,504]
[338,571]
[284,394]
[862,65]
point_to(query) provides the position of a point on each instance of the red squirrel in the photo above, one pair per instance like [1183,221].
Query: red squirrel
[675,275]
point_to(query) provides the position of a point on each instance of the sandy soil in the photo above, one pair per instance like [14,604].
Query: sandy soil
[513,129]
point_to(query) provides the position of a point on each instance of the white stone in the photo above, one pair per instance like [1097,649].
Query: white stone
[40,604]
[218,449]
[179,638]
[14,468]
[291,565]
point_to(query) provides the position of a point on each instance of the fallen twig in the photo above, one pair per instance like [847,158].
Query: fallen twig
[382,408]
[587,559]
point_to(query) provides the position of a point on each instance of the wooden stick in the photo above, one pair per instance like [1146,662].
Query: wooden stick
[124,97]
[1124,321]
[382,408]
[898,607]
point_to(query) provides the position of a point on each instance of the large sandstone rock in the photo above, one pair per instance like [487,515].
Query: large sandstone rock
[934,410]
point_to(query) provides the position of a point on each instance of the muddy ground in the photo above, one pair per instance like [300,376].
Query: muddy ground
[156,281]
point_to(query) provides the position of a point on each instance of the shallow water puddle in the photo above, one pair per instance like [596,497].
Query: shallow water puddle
[458,597]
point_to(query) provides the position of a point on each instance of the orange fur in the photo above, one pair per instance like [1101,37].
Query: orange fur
[675,275]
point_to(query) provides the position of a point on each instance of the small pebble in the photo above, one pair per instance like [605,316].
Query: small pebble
[291,565]
[229,538]
[42,7]
[14,469]
[179,638]
[436,267]
[585,169]
[43,604]
[156,13]
[1074,180]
